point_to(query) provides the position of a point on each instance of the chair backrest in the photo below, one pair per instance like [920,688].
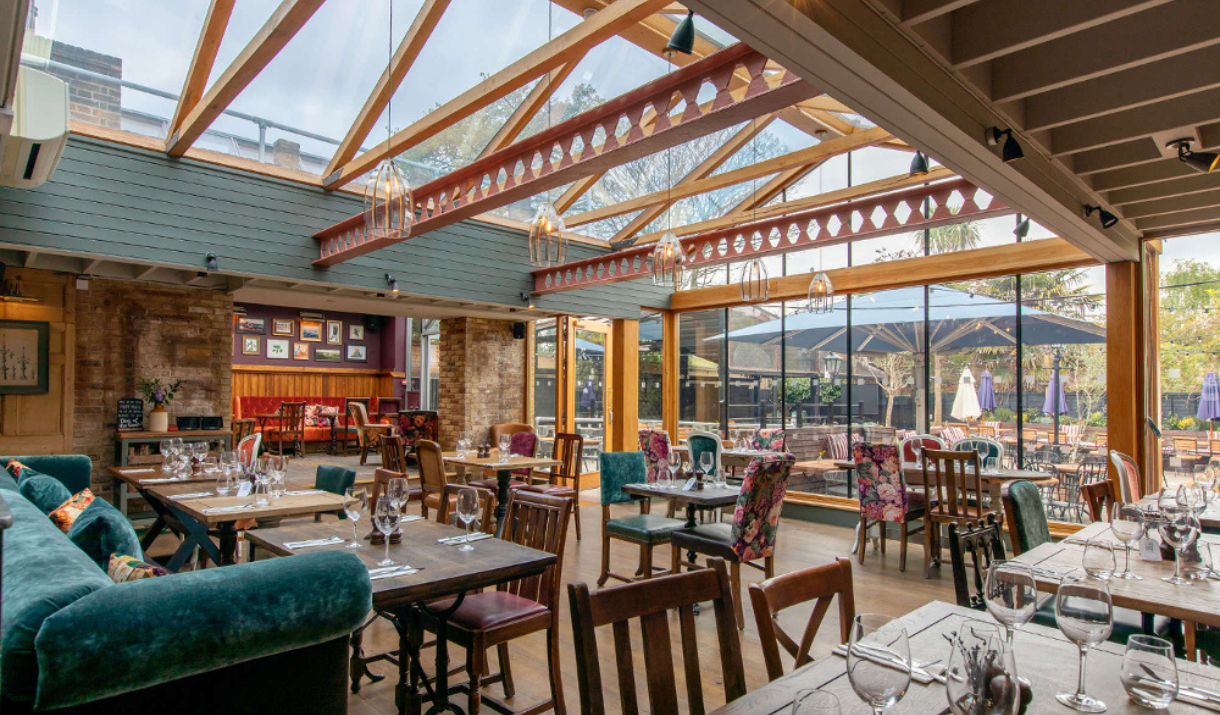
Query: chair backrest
[487,506]
[699,442]
[655,445]
[882,490]
[983,544]
[1025,514]
[393,455]
[538,521]
[985,430]
[568,451]
[1099,496]
[381,479]
[508,428]
[618,469]
[922,441]
[950,478]
[348,402]
[418,424]
[768,439]
[770,597]
[991,452]
[1185,444]
[650,601]
[756,518]
[292,417]
[1129,489]
[242,429]
[389,404]
[949,435]
[358,413]
[247,449]
[334,479]
[1092,470]
[431,466]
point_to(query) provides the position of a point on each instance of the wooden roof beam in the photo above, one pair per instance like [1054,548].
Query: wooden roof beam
[1192,183]
[279,29]
[1174,204]
[210,36]
[915,12]
[1167,115]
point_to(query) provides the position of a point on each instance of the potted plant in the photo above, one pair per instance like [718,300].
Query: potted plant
[159,393]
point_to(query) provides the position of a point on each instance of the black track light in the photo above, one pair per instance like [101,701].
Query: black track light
[528,299]
[683,38]
[1204,162]
[919,165]
[1107,219]
[1022,229]
[1011,150]
[392,282]
[212,265]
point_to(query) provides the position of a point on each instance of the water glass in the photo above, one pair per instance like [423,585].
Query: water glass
[981,678]
[878,660]
[1098,560]
[355,503]
[505,445]
[386,518]
[262,491]
[1085,616]
[705,463]
[675,463]
[211,465]
[1011,595]
[467,511]
[396,490]
[1190,496]
[721,480]
[815,702]
[1150,673]
[224,482]
[1127,523]
[1179,528]
[167,454]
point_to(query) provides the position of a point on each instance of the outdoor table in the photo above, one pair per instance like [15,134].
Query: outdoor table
[504,472]
[443,572]
[1198,602]
[1043,656]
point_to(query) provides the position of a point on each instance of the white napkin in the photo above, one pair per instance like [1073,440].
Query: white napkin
[192,495]
[294,545]
[476,536]
[140,471]
[226,509]
[303,492]
[919,675]
[391,572]
[160,480]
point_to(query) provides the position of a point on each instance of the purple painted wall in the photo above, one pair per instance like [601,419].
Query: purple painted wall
[380,346]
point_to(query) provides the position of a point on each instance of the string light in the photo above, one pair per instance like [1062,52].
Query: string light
[548,242]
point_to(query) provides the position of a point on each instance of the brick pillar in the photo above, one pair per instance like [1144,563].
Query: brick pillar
[482,371]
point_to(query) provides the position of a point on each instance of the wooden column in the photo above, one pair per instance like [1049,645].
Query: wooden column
[669,373]
[565,373]
[1125,368]
[624,386]
[1153,466]
[531,360]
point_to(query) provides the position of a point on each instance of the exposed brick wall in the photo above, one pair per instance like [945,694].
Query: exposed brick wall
[482,370]
[126,330]
[93,101]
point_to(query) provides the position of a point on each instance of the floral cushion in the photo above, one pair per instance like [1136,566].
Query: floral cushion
[756,519]
[417,425]
[123,569]
[67,513]
[655,446]
[16,469]
[883,495]
[768,439]
[311,415]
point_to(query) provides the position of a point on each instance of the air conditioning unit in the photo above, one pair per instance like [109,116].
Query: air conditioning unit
[29,154]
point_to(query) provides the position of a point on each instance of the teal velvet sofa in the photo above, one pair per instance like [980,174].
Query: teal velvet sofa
[269,636]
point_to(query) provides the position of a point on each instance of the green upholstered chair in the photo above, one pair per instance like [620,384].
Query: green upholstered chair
[700,442]
[619,469]
[1026,516]
[335,480]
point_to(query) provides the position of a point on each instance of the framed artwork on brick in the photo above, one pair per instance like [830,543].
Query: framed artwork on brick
[277,349]
[250,345]
[300,351]
[327,355]
[334,332]
[311,331]
[355,332]
[357,353]
[24,347]
[283,326]
[246,324]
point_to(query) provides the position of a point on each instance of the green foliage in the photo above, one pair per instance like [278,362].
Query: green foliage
[1003,414]
[1096,419]
[830,393]
[797,389]
[157,392]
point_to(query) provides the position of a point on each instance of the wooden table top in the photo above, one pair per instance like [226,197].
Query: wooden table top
[1209,519]
[1042,654]
[287,505]
[707,497]
[1198,602]
[143,477]
[443,570]
[494,463]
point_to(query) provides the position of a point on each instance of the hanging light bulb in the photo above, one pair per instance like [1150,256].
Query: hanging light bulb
[548,243]
[388,211]
[668,261]
[821,294]
[755,287]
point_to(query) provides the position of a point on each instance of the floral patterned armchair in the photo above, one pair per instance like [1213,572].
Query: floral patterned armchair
[416,425]
[769,440]
[655,446]
[884,497]
[756,518]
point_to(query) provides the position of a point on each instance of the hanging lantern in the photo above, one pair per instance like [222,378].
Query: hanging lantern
[388,210]
[754,285]
[548,244]
[821,294]
[668,261]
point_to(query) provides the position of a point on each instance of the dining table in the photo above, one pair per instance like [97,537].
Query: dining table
[503,468]
[993,478]
[731,458]
[1043,656]
[437,570]
[685,494]
[1209,518]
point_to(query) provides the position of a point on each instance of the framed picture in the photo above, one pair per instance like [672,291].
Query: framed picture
[300,351]
[250,345]
[334,332]
[277,349]
[357,353]
[327,355]
[283,326]
[311,331]
[355,332]
[247,324]
[24,346]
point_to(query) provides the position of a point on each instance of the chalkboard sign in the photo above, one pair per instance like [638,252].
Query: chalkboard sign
[131,414]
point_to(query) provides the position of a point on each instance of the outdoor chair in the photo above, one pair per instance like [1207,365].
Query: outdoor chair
[823,583]
[368,434]
[618,469]
[650,602]
[565,478]
[954,489]
[885,498]
[984,544]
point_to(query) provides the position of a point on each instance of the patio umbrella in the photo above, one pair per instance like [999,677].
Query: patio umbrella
[966,401]
[1055,403]
[586,395]
[986,392]
[1209,400]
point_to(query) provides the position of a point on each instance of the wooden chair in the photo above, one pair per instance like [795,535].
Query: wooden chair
[393,456]
[487,505]
[823,583]
[954,489]
[984,544]
[347,434]
[650,602]
[619,469]
[750,536]
[388,407]
[242,428]
[880,506]
[1130,490]
[432,476]
[368,433]
[1099,496]
[519,608]
[565,479]
[292,427]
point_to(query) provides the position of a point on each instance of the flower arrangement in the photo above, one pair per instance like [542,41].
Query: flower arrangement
[157,392]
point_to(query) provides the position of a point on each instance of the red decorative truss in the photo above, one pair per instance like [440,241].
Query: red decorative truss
[946,203]
[606,136]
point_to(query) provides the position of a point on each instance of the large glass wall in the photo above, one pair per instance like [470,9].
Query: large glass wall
[700,362]
[544,374]
[650,372]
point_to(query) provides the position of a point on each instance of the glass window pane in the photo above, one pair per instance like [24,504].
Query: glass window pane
[544,374]
[650,394]
[701,338]
[754,394]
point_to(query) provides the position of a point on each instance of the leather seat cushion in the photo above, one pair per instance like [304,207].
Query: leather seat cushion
[433,501]
[644,528]
[556,490]
[494,484]
[710,539]
[482,611]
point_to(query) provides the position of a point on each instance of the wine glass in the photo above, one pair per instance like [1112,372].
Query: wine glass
[721,480]
[355,503]
[277,470]
[167,454]
[1127,523]
[1150,672]
[1179,528]
[505,445]
[705,463]
[386,518]
[878,660]
[1098,560]
[467,511]
[675,463]
[1011,595]
[224,482]
[981,677]
[1085,615]
[1190,496]
[396,490]
[815,702]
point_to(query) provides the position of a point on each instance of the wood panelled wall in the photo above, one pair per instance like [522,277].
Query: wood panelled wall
[287,381]
[42,424]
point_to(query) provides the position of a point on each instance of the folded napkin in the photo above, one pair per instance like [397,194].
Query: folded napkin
[226,509]
[294,545]
[919,675]
[303,492]
[413,517]
[140,471]
[476,536]
[192,495]
[1200,698]
[159,480]
[391,572]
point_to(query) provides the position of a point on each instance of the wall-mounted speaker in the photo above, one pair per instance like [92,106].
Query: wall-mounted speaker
[519,331]
[372,323]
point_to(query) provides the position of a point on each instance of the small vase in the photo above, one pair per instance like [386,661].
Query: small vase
[158,419]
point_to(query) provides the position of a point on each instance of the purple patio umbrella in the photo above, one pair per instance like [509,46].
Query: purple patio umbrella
[1056,401]
[986,392]
[1209,400]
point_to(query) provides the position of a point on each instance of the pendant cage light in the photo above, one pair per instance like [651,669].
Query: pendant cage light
[548,244]
[668,261]
[755,287]
[821,294]
[389,211]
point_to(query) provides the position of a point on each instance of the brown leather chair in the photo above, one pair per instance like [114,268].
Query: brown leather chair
[432,476]
[565,479]
[509,429]
[368,433]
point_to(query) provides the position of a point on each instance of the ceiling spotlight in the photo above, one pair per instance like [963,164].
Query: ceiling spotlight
[528,299]
[392,282]
[1012,148]
[211,261]
[1022,229]
[1107,219]
[683,38]
[919,165]
[1204,162]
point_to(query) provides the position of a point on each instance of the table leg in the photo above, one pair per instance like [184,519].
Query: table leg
[153,532]
[228,543]
[410,674]
[1188,632]
[503,478]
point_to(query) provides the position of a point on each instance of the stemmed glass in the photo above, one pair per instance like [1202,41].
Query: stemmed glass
[1127,523]
[467,511]
[1179,528]
[277,468]
[705,463]
[1085,615]
[262,479]
[1191,496]
[505,445]
[386,518]
[1150,672]
[675,463]
[878,660]
[815,702]
[355,503]
[1011,595]
[1098,560]
[396,490]
[981,677]
[224,482]
[167,454]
